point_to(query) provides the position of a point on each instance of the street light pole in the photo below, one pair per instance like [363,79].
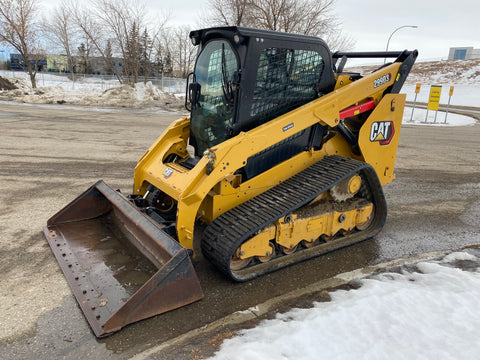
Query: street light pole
[394,31]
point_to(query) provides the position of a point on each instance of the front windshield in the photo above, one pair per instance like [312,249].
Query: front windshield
[212,113]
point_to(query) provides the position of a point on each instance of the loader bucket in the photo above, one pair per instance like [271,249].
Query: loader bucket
[121,266]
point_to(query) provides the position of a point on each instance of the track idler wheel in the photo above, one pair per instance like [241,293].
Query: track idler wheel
[269,256]
[310,244]
[237,263]
[366,224]
[288,251]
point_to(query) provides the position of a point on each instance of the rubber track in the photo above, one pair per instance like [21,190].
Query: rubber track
[228,231]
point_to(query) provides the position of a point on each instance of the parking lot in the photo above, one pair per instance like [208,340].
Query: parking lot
[51,154]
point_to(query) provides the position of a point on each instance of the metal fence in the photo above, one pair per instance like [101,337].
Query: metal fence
[75,81]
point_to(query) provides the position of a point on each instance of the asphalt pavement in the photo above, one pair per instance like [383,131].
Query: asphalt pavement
[51,154]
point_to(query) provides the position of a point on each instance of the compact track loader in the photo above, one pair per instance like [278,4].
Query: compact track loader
[282,158]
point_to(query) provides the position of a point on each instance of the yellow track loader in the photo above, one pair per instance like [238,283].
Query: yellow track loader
[282,158]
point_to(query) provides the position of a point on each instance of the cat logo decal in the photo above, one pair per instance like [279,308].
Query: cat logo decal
[382,131]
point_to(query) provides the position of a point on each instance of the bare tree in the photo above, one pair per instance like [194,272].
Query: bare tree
[61,30]
[115,25]
[181,50]
[308,17]
[123,19]
[93,40]
[226,12]
[297,16]
[18,28]
[272,14]
[338,41]
[105,25]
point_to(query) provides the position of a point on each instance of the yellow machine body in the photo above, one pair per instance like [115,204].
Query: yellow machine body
[205,195]
[282,159]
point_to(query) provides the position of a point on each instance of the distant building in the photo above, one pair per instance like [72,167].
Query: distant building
[459,53]
[17,62]
[97,66]
[57,63]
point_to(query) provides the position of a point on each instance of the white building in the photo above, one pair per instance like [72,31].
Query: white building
[458,53]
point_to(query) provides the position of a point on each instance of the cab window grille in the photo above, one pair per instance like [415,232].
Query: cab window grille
[285,79]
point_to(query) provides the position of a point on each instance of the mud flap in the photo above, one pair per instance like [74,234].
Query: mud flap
[119,264]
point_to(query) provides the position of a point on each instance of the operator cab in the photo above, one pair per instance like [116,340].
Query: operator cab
[246,77]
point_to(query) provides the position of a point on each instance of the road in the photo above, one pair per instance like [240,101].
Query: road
[50,154]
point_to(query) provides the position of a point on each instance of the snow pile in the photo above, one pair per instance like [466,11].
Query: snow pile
[90,94]
[5,84]
[140,93]
[429,311]
[19,84]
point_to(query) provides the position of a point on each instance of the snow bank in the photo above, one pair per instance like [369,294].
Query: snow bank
[446,71]
[52,89]
[5,84]
[435,72]
[138,96]
[20,84]
[430,312]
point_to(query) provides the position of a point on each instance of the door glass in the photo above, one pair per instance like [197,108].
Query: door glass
[212,113]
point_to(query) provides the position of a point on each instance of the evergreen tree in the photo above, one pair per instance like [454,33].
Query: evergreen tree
[83,60]
[146,51]
[108,58]
[133,58]
[167,64]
